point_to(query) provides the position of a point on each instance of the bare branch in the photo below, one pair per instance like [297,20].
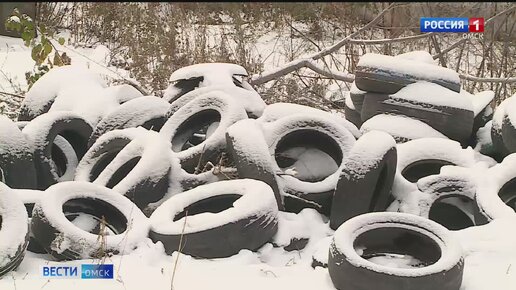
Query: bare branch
[337,75]
[508,80]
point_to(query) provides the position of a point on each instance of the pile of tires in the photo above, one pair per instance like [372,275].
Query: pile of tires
[210,170]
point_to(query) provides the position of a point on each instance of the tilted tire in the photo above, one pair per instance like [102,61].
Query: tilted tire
[509,129]
[442,109]
[196,131]
[80,220]
[357,97]
[366,179]
[29,198]
[16,157]
[148,112]
[363,247]
[309,152]
[43,131]
[448,199]
[351,113]
[401,128]
[496,129]
[14,232]
[387,74]
[44,91]
[134,161]
[217,220]
[251,155]
[496,196]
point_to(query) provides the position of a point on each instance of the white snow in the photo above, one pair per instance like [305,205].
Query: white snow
[400,126]
[484,137]
[12,141]
[418,55]
[311,163]
[479,100]
[430,93]
[257,199]
[71,159]
[212,72]
[415,69]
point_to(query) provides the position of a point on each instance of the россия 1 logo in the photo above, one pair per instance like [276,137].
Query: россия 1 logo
[431,24]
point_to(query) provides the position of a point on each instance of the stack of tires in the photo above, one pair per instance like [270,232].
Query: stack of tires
[210,169]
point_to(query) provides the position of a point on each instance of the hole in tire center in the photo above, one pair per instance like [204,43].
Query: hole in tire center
[313,155]
[77,141]
[122,172]
[88,213]
[187,85]
[397,247]
[154,124]
[2,176]
[453,212]
[195,130]
[508,193]
[422,168]
[214,204]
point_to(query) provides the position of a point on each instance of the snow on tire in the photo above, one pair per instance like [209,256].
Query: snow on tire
[309,152]
[387,74]
[351,113]
[509,127]
[135,162]
[444,110]
[197,130]
[357,97]
[14,230]
[424,157]
[43,131]
[16,156]
[366,179]
[247,147]
[148,112]
[217,220]
[401,128]
[496,129]
[73,216]
[496,194]
[425,254]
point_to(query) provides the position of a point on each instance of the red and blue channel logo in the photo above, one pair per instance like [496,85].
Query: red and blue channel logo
[431,24]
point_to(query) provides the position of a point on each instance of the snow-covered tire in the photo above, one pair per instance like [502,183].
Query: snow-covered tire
[135,162]
[496,129]
[509,131]
[148,112]
[217,220]
[387,74]
[305,136]
[45,90]
[123,93]
[379,234]
[449,199]
[14,230]
[64,158]
[351,113]
[53,227]
[496,194]
[29,198]
[424,157]
[250,153]
[366,179]
[213,112]
[357,97]
[451,114]
[43,130]
[16,157]
[401,128]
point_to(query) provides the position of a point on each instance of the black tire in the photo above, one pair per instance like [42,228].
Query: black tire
[366,179]
[441,264]
[53,227]
[396,126]
[128,162]
[14,231]
[386,74]
[123,93]
[43,93]
[30,198]
[496,130]
[357,97]
[247,224]
[496,194]
[509,132]
[16,157]
[210,114]
[64,158]
[454,122]
[251,155]
[351,113]
[288,139]
[148,112]
[449,199]
[43,131]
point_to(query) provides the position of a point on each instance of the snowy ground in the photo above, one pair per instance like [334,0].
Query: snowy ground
[490,250]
